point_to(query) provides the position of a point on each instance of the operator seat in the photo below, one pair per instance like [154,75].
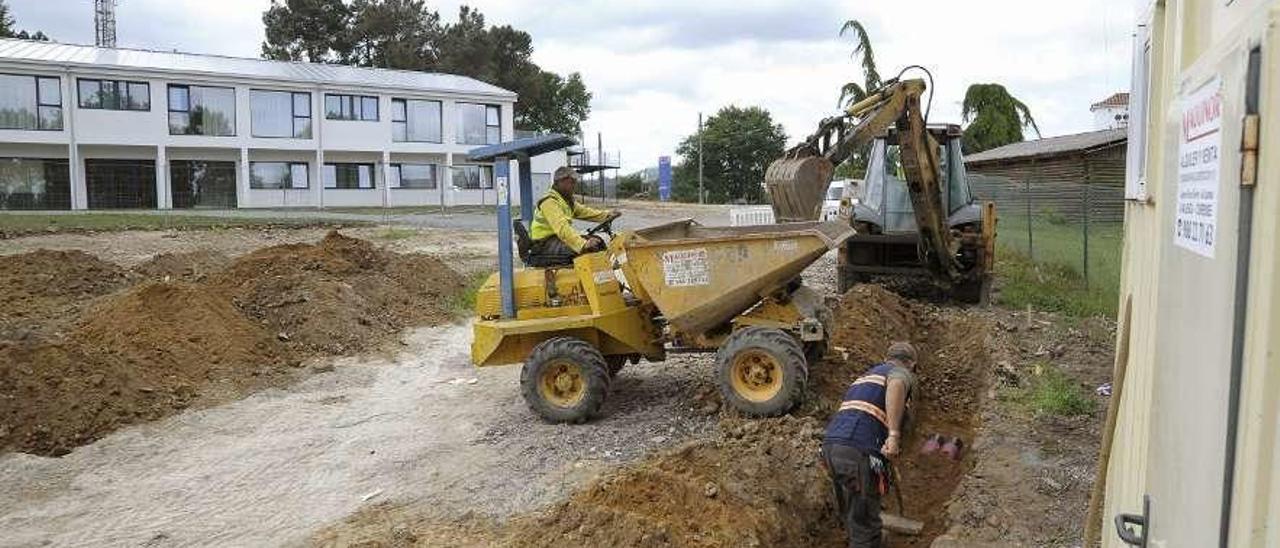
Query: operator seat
[524,247]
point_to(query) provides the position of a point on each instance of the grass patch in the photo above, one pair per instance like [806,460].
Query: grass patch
[394,233]
[1051,287]
[1051,392]
[17,224]
[1046,270]
[464,304]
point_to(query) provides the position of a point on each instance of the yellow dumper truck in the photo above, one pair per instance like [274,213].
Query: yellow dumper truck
[674,287]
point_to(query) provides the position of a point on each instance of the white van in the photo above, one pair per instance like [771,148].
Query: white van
[831,204]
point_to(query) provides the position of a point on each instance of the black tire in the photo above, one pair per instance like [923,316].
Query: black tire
[565,380]
[757,348]
[973,291]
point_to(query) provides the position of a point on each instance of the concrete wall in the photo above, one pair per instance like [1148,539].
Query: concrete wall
[95,133]
[1177,311]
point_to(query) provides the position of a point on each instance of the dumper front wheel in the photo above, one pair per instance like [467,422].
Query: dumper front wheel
[565,380]
[762,371]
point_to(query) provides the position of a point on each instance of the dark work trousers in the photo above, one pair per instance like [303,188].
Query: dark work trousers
[550,251]
[857,498]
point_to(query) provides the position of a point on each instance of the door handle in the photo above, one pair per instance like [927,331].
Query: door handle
[1125,523]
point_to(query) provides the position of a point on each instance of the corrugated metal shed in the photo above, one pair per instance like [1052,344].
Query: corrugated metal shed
[46,53]
[1065,144]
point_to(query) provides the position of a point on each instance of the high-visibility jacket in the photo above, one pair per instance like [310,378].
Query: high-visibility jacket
[554,215]
[863,419]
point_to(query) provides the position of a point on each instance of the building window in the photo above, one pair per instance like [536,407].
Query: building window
[472,177]
[479,124]
[419,176]
[201,184]
[120,184]
[280,114]
[114,95]
[200,110]
[34,183]
[278,175]
[351,107]
[30,102]
[415,121]
[348,176]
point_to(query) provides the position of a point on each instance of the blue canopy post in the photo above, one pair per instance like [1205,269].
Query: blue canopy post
[501,155]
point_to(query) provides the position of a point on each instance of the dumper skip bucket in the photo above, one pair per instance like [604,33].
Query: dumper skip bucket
[701,277]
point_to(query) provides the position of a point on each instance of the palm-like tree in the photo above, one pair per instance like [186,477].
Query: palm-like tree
[853,92]
[994,117]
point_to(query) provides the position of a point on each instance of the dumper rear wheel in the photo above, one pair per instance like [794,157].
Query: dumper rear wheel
[565,380]
[762,371]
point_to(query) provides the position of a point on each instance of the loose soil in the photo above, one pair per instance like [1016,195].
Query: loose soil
[190,266]
[756,482]
[78,361]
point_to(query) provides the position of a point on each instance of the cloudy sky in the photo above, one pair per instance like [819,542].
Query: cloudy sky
[653,66]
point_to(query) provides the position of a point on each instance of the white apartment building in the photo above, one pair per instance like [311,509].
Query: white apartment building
[83,127]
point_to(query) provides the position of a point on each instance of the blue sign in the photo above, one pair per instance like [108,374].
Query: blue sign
[664,178]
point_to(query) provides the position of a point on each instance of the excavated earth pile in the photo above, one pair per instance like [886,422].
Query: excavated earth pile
[79,357]
[758,482]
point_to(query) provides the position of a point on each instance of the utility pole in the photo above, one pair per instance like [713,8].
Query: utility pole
[104,23]
[702,195]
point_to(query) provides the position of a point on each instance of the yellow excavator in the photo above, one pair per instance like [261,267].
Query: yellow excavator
[913,214]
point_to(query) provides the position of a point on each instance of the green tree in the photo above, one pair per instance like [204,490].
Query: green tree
[852,92]
[400,34]
[631,185]
[7,29]
[407,34]
[994,117]
[307,30]
[737,145]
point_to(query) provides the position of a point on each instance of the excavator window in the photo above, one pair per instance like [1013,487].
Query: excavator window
[898,213]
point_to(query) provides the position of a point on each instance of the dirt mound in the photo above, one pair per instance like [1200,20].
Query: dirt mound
[190,266]
[758,484]
[40,291]
[137,356]
[340,295]
[102,361]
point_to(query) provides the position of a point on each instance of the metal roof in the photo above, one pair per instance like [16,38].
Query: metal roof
[532,146]
[51,53]
[1049,147]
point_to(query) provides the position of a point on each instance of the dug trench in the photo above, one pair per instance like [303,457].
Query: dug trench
[87,347]
[755,482]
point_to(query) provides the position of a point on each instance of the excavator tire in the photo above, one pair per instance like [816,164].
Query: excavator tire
[565,380]
[973,291]
[762,371]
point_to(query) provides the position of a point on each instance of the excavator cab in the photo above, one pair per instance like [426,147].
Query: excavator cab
[914,213]
[886,242]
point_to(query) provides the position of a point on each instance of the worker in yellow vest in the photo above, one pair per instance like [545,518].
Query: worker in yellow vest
[554,239]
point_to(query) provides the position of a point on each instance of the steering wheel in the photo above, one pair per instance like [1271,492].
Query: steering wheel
[605,227]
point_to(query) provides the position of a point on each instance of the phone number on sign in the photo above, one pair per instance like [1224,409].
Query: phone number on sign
[1196,231]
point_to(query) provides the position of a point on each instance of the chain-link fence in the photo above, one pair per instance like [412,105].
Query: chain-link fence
[1075,224]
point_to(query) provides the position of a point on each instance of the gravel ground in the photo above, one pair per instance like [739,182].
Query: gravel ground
[421,428]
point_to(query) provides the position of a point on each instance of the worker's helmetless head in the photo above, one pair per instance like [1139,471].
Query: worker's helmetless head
[902,353]
[565,179]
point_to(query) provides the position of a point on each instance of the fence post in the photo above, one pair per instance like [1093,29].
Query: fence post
[1031,250]
[1088,176]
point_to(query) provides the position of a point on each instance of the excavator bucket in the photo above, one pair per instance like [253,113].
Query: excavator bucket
[797,187]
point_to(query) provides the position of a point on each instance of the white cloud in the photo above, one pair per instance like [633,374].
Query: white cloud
[654,65]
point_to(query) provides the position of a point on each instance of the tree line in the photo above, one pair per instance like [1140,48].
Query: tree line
[8,27]
[407,34]
[738,144]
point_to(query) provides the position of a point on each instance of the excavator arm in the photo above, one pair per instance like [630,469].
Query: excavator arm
[797,182]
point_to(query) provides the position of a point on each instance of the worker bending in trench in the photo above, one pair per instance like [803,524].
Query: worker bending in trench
[862,436]
[554,239]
